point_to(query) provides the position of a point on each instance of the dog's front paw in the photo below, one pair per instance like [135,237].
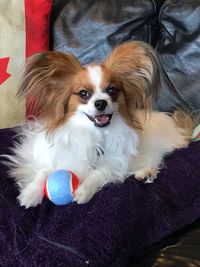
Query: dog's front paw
[148,175]
[30,197]
[83,194]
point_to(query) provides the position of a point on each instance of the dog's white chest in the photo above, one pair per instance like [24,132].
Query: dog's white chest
[80,149]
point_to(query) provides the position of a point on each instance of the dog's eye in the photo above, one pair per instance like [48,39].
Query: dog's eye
[84,94]
[112,91]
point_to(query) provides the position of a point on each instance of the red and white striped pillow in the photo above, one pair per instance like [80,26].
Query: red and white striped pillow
[24,30]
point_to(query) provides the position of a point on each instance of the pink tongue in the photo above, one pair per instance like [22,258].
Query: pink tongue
[102,119]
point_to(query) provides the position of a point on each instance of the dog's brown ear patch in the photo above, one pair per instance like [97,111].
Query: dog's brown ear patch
[134,67]
[47,80]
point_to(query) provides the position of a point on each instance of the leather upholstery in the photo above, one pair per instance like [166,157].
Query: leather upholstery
[90,29]
[179,50]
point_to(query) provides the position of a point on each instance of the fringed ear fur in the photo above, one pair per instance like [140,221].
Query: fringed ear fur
[135,69]
[134,66]
[47,80]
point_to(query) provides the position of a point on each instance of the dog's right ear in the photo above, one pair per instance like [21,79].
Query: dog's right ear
[47,73]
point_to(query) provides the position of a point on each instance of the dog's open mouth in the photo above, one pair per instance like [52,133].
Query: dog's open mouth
[100,120]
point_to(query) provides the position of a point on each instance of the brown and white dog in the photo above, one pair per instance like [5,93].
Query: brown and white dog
[95,120]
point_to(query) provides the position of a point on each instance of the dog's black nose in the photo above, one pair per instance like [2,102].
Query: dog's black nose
[100,104]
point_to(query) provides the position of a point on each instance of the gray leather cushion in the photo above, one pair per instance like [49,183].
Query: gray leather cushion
[179,51]
[90,29]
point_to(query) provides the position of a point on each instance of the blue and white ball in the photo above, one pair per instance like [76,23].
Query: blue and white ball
[60,187]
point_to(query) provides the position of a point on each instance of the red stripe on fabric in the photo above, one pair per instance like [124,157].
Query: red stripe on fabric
[37,17]
[4,75]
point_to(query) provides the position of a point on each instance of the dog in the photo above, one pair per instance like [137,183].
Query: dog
[95,120]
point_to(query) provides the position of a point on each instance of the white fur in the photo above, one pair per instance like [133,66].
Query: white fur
[95,75]
[97,155]
[160,136]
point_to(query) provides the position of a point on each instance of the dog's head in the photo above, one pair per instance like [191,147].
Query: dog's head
[127,80]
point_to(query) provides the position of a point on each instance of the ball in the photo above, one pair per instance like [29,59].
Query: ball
[60,187]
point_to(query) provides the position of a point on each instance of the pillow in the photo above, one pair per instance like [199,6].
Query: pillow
[24,31]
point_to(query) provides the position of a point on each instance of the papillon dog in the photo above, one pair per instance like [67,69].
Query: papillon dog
[95,120]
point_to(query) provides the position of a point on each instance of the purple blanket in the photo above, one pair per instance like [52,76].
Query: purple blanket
[118,222]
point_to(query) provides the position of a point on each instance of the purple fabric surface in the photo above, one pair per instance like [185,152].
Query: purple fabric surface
[118,222]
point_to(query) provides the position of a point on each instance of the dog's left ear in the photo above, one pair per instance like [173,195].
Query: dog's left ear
[134,68]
